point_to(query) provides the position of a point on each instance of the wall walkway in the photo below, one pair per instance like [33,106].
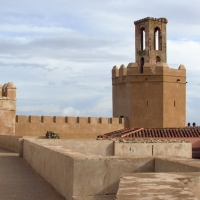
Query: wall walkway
[19,181]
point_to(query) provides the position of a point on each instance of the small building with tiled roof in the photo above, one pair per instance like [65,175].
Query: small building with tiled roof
[190,134]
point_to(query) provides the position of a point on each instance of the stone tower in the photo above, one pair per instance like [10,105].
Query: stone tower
[150,41]
[7,108]
[148,92]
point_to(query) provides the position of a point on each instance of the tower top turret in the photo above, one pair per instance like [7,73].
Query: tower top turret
[150,41]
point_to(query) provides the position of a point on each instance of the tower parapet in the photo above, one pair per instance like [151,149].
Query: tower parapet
[160,69]
[9,91]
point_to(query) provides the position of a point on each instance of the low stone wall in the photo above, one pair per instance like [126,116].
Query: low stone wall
[10,142]
[163,164]
[91,146]
[67,127]
[81,175]
[54,167]
[153,149]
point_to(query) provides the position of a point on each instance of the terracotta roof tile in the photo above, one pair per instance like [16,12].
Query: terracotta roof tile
[153,133]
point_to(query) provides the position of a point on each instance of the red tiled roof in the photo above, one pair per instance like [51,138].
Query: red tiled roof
[190,132]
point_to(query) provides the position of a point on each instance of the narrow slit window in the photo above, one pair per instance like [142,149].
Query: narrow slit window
[174,103]
[147,103]
[156,40]
[142,36]
[141,65]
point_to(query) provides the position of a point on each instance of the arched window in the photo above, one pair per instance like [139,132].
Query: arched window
[141,65]
[142,38]
[158,59]
[157,39]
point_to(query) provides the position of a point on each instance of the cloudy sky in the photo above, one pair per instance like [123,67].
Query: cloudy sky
[59,53]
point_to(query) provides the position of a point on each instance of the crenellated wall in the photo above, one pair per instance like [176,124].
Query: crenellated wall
[67,127]
[7,108]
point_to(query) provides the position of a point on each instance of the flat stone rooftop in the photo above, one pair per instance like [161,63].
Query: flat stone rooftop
[19,181]
[159,186]
[92,170]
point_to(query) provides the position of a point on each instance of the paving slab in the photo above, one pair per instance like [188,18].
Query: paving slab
[18,181]
[155,186]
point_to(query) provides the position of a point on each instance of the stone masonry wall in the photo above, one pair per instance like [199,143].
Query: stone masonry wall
[7,109]
[66,127]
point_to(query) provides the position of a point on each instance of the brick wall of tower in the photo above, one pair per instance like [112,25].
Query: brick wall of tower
[150,53]
[7,109]
[147,99]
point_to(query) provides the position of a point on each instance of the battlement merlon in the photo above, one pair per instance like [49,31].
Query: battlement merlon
[8,91]
[161,19]
[161,69]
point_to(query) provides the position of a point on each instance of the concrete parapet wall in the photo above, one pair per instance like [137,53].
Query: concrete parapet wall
[66,127]
[78,175]
[10,142]
[91,146]
[173,149]
[163,164]
[54,167]
[153,149]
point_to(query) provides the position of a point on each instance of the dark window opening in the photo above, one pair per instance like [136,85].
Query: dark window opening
[147,103]
[158,59]
[141,65]
[142,38]
[174,103]
[121,119]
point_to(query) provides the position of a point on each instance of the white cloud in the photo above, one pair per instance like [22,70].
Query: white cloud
[42,108]
[70,111]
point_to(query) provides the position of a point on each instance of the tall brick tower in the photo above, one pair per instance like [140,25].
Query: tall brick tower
[148,92]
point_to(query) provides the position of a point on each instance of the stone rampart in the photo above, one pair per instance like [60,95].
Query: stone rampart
[66,127]
[83,175]
[10,142]
[153,149]
[176,164]
[77,175]
[77,170]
